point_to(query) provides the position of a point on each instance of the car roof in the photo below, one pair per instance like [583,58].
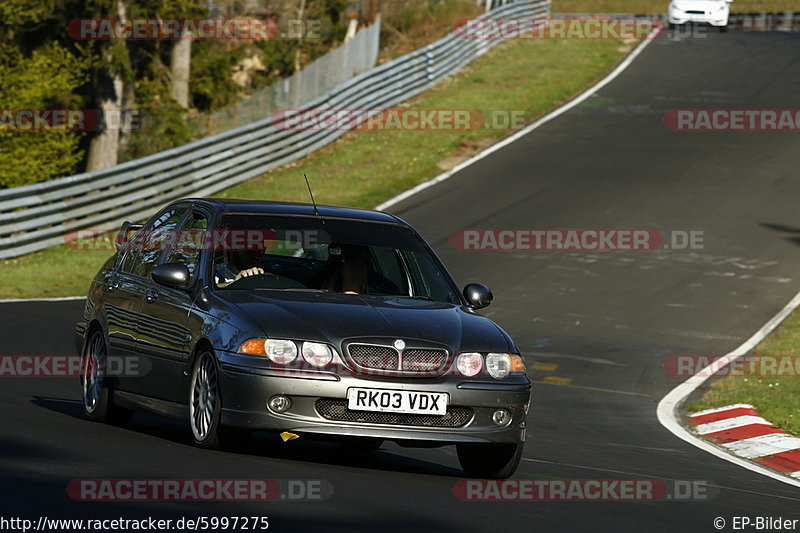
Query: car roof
[235,205]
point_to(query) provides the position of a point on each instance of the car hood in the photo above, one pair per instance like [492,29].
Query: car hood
[332,318]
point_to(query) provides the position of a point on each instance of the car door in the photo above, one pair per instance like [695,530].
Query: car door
[125,289]
[123,295]
[164,335]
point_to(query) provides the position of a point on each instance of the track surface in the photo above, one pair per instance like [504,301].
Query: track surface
[607,320]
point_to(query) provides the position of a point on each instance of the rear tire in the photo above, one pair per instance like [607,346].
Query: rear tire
[98,402]
[723,29]
[489,461]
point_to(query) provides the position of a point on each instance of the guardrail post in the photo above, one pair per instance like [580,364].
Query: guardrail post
[786,23]
[429,66]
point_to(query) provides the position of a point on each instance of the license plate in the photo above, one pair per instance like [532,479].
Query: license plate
[397,401]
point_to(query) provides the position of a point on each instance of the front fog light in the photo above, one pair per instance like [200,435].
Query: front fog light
[498,365]
[501,417]
[279,403]
[469,364]
[317,354]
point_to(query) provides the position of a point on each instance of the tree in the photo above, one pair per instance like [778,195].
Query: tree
[34,156]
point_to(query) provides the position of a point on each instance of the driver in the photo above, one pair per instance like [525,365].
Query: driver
[240,264]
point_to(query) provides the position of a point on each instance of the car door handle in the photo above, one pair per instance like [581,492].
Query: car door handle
[112,285]
[151,297]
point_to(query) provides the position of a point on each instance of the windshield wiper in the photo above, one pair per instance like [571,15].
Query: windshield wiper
[297,289]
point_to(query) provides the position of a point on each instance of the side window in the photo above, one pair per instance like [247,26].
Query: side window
[149,243]
[190,244]
[427,279]
[390,267]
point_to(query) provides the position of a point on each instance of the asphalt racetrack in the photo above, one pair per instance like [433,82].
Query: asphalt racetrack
[597,326]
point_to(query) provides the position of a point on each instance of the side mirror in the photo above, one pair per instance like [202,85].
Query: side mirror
[174,275]
[478,296]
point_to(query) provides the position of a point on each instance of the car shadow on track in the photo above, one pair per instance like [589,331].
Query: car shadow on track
[267,445]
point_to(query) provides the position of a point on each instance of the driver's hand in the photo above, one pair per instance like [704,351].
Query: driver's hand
[249,272]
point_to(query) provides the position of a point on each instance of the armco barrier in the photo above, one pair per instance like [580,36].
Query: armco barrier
[34,217]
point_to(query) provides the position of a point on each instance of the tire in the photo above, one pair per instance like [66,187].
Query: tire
[205,402]
[723,29]
[489,461]
[97,398]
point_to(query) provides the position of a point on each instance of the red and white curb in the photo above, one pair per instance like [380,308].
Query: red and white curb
[742,431]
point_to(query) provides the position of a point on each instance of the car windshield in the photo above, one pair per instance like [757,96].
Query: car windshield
[266,252]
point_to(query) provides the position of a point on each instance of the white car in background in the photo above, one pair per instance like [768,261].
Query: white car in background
[713,12]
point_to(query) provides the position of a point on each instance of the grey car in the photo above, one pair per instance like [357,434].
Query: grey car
[305,320]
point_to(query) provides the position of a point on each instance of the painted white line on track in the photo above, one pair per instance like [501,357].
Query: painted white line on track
[526,130]
[61,299]
[667,410]
[730,423]
[722,409]
[763,446]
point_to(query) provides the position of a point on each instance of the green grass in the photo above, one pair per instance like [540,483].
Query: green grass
[362,169]
[660,6]
[776,398]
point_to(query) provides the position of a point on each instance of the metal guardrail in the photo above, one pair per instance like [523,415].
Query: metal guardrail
[35,217]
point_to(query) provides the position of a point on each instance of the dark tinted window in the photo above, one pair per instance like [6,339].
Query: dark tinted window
[189,244]
[147,245]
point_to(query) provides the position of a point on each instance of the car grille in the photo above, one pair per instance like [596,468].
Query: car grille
[696,12]
[378,359]
[375,357]
[337,410]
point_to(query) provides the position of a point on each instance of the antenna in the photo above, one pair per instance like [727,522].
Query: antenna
[316,211]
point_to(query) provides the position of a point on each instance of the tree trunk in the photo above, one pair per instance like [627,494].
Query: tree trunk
[180,66]
[127,122]
[104,147]
[300,14]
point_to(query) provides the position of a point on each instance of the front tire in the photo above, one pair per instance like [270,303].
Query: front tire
[723,29]
[97,398]
[205,402]
[489,461]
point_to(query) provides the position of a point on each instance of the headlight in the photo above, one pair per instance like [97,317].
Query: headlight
[469,364]
[498,365]
[280,351]
[317,354]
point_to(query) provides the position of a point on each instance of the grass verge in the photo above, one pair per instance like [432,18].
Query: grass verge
[648,7]
[776,398]
[363,169]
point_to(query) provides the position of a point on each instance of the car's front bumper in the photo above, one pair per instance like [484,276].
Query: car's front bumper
[714,19]
[246,392]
